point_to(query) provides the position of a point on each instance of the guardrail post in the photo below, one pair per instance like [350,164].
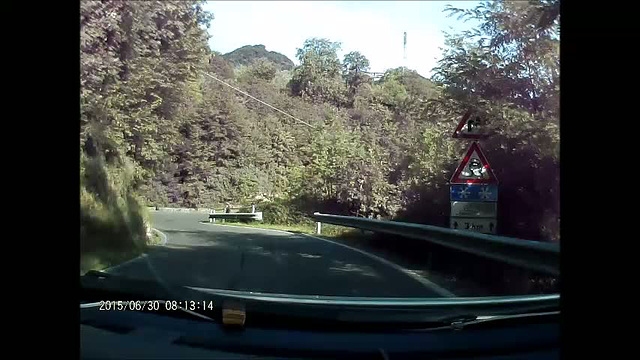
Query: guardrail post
[318,226]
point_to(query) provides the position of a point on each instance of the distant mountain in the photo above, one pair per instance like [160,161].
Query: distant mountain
[250,53]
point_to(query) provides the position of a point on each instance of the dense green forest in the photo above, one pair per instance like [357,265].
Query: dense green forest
[156,131]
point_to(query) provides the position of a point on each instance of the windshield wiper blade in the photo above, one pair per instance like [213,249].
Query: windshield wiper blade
[496,305]
[462,322]
[412,312]
[361,311]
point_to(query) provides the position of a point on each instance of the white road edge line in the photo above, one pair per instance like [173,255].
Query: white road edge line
[249,227]
[115,267]
[428,284]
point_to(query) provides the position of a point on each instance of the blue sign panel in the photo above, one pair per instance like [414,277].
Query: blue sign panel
[473,192]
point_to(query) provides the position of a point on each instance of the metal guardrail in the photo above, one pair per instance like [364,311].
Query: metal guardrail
[528,254]
[253,215]
[191,210]
[184,210]
[247,216]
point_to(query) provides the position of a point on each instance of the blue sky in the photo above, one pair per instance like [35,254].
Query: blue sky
[375,28]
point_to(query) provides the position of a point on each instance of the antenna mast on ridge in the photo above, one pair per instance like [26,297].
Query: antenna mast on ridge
[405,53]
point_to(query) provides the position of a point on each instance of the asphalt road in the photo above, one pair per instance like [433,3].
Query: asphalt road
[247,259]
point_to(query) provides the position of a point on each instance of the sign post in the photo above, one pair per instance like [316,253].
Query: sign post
[474,187]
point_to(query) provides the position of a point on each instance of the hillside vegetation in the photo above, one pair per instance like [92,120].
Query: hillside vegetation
[249,54]
[158,132]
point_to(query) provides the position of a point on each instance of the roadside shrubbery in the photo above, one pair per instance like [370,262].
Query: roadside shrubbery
[112,219]
[281,213]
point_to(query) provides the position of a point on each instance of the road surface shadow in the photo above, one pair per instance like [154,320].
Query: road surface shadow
[462,273]
[271,263]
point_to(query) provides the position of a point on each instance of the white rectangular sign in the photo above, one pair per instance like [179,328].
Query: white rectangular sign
[474,209]
[487,226]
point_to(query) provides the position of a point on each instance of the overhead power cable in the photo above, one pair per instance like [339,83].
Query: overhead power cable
[260,101]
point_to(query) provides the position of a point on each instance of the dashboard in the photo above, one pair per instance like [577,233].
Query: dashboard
[131,334]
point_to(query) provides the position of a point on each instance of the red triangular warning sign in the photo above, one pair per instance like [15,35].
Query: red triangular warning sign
[469,127]
[474,168]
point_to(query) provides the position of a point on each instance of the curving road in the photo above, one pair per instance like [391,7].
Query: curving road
[245,259]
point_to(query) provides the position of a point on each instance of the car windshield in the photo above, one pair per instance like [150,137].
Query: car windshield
[366,149]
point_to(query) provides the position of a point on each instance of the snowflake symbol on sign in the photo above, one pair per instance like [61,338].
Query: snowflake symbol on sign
[485,193]
[463,193]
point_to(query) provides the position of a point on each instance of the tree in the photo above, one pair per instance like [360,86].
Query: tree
[139,62]
[354,64]
[513,55]
[318,76]
[390,91]
[137,59]
[321,54]
[261,69]
[508,71]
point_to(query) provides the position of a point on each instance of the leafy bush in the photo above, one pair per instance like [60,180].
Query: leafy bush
[263,69]
[283,213]
[245,209]
[112,219]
